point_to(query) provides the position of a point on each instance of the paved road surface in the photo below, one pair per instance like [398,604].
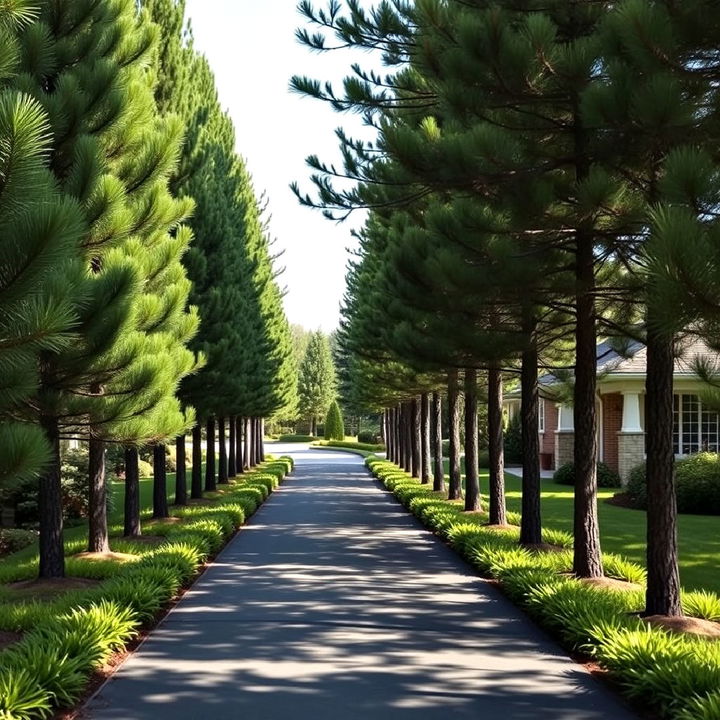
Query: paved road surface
[333,604]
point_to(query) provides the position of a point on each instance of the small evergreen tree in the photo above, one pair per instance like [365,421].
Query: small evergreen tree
[316,385]
[334,425]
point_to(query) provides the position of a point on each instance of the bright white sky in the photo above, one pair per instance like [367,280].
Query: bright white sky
[252,50]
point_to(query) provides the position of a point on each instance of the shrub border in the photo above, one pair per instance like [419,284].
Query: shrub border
[677,676]
[68,640]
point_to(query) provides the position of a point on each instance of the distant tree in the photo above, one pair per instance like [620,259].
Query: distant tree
[334,425]
[317,383]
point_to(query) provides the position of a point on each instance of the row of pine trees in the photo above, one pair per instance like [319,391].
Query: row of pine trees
[543,175]
[137,290]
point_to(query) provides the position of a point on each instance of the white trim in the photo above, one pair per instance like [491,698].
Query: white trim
[566,419]
[541,416]
[699,436]
[631,413]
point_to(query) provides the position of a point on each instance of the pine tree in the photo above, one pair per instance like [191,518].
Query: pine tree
[316,380]
[118,379]
[659,96]
[334,425]
[39,237]
[244,333]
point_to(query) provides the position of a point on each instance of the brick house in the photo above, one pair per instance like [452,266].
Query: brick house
[621,410]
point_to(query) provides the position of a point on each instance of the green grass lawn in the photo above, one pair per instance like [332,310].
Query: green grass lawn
[76,536]
[623,530]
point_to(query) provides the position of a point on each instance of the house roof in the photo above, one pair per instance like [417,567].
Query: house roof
[633,361]
[614,362]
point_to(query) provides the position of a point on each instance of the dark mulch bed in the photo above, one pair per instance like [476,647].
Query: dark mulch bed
[8,638]
[623,500]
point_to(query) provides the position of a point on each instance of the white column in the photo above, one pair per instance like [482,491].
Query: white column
[566,418]
[631,413]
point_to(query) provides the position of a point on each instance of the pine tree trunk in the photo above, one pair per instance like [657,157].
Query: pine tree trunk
[210,481]
[196,488]
[437,448]
[160,503]
[662,596]
[232,462]
[408,432]
[239,469]
[98,540]
[472,474]
[454,399]
[398,435]
[261,439]
[132,493]
[426,459]
[415,425]
[252,446]
[180,471]
[587,558]
[247,444]
[497,508]
[530,524]
[223,464]
[52,551]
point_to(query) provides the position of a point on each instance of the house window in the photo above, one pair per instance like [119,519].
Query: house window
[694,428]
[541,415]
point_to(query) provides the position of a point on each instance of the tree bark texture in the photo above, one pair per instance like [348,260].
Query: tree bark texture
[497,507]
[530,524]
[662,595]
[426,459]
[408,433]
[196,488]
[436,441]
[239,469]
[415,424]
[252,443]
[180,471]
[261,439]
[247,443]
[454,401]
[210,481]
[52,551]
[587,557]
[98,540]
[160,503]
[132,494]
[472,473]
[398,436]
[232,436]
[222,445]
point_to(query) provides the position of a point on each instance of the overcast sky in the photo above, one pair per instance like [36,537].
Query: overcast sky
[252,49]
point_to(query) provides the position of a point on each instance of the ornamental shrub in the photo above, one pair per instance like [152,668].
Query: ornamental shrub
[697,481]
[565,475]
[334,425]
[14,539]
[368,437]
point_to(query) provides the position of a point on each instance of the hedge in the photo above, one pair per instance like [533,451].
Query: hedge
[697,484]
[674,676]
